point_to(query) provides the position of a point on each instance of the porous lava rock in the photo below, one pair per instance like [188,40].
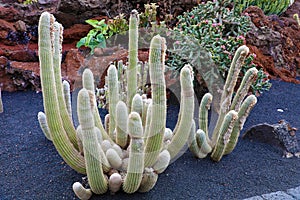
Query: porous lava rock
[276,42]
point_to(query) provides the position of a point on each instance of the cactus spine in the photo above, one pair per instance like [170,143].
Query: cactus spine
[232,116]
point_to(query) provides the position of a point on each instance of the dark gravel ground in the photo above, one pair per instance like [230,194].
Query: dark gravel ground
[30,167]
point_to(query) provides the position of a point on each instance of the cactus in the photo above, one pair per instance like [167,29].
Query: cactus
[134,146]
[48,33]
[232,115]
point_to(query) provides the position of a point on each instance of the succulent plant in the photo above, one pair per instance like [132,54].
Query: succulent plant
[233,112]
[130,150]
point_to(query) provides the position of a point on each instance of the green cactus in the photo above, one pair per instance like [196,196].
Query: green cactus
[121,124]
[133,57]
[61,140]
[138,145]
[91,148]
[232,114]
[135,169]
[186,112]
[158,108]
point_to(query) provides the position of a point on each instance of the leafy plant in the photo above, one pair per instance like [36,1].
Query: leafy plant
[269,7]
[220,31]
[101,31]
[28,2]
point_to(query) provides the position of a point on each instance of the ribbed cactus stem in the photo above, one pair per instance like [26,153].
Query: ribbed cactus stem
[67,97]
[248,79]
[203,114]
[158,111]
[181,135]
[229,86]
[91,147]
[243,113]
[133,57]
[81,192]
[121,124]
[224,135]
[51,105]
[43,124]
[135,169]
[113,97]
[57,48]
[89,84]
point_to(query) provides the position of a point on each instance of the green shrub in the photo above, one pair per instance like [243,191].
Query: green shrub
[269,7]
[220,31]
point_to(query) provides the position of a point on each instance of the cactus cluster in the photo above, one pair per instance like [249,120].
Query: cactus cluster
[234,109]
[134,145]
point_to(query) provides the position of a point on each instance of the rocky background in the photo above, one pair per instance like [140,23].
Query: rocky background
[275,40]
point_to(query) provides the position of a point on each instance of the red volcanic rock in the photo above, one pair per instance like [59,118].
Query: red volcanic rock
[276,43]
[9,14]
[76,32]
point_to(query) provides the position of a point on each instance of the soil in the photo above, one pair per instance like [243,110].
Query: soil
[30,167]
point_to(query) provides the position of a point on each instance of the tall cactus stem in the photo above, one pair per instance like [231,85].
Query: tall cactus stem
[229,86]
[64,113]
[113,97]
[243,89]
[88,83]
[91,147]
[59,136]
[181,135]
[135,169]
[133,57]
[158,111]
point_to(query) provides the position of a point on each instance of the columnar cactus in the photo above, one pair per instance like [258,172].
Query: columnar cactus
[50,38]
[232,115]
[134,146]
